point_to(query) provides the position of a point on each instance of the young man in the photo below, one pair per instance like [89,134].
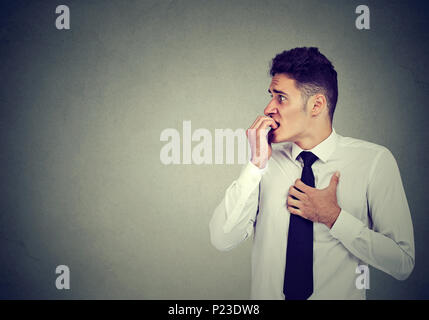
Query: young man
[320,206]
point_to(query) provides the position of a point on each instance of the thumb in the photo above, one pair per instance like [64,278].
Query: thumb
[334,179]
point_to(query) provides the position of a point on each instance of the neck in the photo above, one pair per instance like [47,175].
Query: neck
[314,136]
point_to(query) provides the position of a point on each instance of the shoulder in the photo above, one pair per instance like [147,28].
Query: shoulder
[362,147]
[349,142]
[376,157]
[370,159]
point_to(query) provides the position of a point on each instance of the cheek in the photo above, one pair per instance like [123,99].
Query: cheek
[292,119]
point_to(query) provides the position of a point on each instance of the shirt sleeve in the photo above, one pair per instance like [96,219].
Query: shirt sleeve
[389,244]
[233,219]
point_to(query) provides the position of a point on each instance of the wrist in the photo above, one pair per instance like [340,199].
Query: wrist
[334,218]
[258,164]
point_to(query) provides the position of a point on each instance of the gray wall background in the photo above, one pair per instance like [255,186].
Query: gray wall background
[82,111]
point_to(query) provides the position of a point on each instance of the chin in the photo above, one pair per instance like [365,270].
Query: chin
[279,139]
[275,139]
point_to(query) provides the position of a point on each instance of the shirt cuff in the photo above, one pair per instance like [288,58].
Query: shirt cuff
[347,227]
[250,175]
[247,182]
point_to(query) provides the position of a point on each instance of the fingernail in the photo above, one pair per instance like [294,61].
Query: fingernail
[337,174]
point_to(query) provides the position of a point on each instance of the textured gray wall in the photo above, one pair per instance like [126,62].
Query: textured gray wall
[82,111]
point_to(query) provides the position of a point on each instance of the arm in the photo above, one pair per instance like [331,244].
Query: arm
[389,245]
[233,219]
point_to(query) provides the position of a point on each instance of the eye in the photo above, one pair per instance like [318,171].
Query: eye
[281,98]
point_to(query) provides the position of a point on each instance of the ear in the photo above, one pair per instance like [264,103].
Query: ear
[318,104]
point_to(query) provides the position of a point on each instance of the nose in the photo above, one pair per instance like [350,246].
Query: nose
[270,108]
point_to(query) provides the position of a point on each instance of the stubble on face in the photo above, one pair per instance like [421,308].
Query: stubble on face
[291,113]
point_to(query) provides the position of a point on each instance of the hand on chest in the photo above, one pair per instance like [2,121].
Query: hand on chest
[283,192]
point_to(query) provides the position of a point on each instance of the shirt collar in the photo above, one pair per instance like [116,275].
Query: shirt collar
[323,150]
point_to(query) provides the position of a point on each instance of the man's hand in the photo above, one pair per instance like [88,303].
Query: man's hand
[259,144]
[314,204]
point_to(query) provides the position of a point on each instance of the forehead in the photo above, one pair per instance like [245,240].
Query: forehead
[282,82]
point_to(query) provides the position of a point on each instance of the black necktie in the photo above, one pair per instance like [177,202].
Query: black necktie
[298,281]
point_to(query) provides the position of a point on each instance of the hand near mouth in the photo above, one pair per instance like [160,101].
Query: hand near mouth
[270,133]
[260,142]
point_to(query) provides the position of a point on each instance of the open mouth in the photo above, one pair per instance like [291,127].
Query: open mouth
[272,129]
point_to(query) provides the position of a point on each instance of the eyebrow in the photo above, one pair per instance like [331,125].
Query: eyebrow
[278,91]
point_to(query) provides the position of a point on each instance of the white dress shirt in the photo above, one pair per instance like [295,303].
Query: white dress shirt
[374,226]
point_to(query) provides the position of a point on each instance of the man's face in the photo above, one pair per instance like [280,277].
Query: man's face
[287,109]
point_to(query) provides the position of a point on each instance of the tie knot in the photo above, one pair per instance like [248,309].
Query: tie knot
[308,157]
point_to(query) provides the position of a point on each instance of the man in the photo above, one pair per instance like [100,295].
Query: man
[320,206]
